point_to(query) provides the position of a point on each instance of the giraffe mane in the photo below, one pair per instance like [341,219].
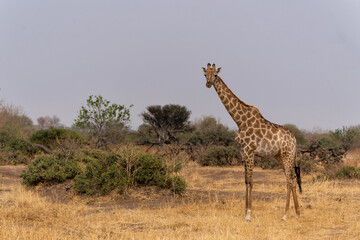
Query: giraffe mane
[242,102]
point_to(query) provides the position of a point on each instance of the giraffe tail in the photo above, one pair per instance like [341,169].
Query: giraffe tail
[297,171]
[298,177]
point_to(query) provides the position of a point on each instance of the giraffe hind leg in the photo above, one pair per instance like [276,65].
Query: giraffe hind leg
[290,186]
[288,195]
[296,202]
[280,161]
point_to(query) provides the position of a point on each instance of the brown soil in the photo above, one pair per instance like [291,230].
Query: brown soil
[10,175]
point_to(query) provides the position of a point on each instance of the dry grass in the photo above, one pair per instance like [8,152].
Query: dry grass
[330,210]
[352,158]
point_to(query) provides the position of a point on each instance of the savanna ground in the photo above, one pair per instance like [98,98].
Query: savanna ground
[212,208]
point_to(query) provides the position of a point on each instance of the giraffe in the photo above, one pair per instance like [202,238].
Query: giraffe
[258,137]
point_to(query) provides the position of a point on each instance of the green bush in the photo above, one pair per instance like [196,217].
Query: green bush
[101,175]
[151,170]
[55,168]
[327,142]
[111,173]
[4,138]
[220,156]
[348,172]
[99,172]
[176,184]
[15,150]
[88,155]
[49,137]
[13,158]
[21,145]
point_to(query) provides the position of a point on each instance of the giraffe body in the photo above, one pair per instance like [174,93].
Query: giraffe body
[257,137]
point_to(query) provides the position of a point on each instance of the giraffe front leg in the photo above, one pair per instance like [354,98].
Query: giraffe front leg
[249,165]
[248,202]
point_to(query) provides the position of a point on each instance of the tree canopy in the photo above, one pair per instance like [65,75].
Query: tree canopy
[100,116]
[166,121]
[209,131]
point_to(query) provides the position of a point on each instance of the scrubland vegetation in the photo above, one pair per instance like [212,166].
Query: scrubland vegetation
[196,164]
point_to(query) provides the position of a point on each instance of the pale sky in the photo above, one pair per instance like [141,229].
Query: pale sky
[297,61]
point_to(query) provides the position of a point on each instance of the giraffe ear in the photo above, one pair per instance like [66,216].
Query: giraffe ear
[203,69]
[218,70]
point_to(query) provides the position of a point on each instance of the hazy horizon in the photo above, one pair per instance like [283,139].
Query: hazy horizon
[297,61]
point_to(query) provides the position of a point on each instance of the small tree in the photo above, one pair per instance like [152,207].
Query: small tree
[208,131]
[100,116]
[14,121]
[345,137]
[166,121]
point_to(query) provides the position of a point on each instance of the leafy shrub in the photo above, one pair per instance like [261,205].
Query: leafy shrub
[15,150]
[49,137]
[348,172]
[176,184]
[55,168]
[327,142]
[151,171]
[220,156]
[112,172]
[4,138]
[99,172]
[101,175]
[21,145]
[13,158]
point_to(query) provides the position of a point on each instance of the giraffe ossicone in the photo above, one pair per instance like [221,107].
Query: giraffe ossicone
[258,137]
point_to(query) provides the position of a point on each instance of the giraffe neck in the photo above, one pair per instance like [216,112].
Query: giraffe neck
[238,110]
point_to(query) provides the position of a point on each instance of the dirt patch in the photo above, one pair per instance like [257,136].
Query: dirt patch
[10,175]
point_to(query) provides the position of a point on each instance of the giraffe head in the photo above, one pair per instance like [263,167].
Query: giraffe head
[210,74]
